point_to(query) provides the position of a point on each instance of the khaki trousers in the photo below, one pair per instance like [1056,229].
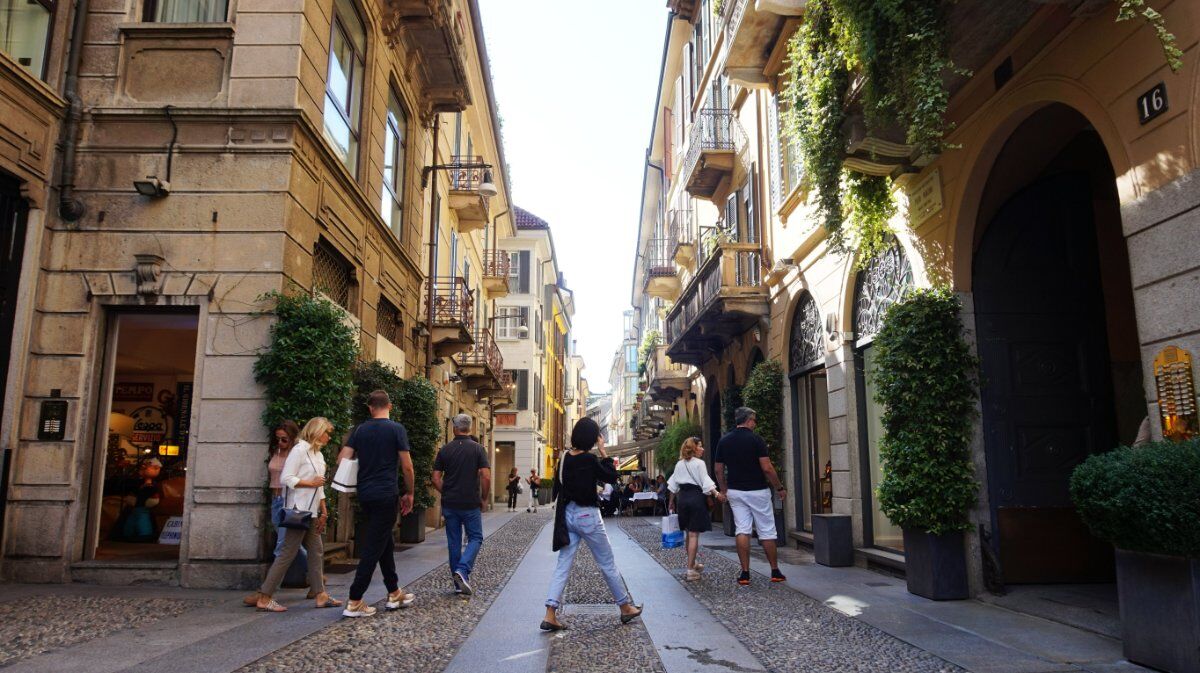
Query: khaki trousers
[292,540]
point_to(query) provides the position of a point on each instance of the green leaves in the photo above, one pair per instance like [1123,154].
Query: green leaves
[763,393]
[925,378]
[1131,9]
[667,453]
[1145,498]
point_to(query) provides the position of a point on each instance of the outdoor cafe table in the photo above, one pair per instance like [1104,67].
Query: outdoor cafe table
[644,500]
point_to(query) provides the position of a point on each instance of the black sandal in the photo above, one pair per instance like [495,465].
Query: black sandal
[626,618]
[551,626]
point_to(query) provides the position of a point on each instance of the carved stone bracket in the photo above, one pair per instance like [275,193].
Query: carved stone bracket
[148,272]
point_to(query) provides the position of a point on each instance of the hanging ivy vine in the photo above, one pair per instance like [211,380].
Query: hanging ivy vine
[891,58]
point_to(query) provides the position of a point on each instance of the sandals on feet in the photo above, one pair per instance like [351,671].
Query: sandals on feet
[329,602]
[271,606]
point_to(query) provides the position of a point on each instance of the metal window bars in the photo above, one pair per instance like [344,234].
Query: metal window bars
[387,322]
[332,274]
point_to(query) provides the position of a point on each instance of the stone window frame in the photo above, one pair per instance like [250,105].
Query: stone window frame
[395,140]
[356,87]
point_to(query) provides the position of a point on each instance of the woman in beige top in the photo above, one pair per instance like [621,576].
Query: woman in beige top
[303,478]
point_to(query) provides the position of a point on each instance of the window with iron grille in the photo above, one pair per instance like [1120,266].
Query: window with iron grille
[332,274]
[388,322]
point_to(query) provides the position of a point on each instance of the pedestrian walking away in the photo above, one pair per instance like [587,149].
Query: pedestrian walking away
[743,468]
[535,484]
[690,488]
[381,447]
[514,488]
[303,479]
[577,518]
[462,475]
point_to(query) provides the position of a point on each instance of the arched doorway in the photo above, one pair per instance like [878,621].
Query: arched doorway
[883,282]
[812,473]
[1057,341]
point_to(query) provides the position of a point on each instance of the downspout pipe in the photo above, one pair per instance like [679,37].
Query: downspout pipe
[70,207]
[433,232]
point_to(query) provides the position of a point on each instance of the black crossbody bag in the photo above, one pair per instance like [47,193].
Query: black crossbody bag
[294,517]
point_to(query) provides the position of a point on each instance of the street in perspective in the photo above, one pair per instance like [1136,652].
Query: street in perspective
[644,336]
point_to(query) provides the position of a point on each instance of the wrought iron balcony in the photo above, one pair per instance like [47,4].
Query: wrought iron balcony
[496,267]
[715,139]
[428,34]
[658,270]
[749,25]
[453,315]
[465,200]
[682,225]
[725,298]
[482,365]
[667,379]
[686,9]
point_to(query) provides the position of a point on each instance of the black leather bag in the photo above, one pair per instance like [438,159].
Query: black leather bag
[294,517]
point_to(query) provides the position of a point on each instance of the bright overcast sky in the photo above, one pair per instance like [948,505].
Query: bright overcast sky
[575,84]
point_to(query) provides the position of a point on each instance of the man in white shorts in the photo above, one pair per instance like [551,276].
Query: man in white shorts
[743,471]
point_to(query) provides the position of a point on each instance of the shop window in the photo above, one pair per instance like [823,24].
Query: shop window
[332,274]
[148,405]
[388,324]
[344,85]
[185,11]
[810,413]
[395,138]
[25,32]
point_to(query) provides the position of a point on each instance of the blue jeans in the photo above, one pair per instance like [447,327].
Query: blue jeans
[463,560]
[301,558]
[584,523]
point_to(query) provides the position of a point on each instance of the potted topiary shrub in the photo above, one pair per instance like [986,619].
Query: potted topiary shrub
[926,378]
[1146,501]
[546,490]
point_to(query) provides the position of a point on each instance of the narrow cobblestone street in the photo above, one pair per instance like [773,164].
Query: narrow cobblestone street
[709,626]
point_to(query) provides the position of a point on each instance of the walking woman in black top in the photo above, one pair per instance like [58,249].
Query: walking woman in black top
[514,487]
[577,518]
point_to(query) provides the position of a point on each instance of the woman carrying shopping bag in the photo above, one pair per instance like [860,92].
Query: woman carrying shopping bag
[577,518]
[690,488]
[303,516]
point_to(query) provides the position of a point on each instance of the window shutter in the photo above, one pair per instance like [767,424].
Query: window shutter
[680,115]
[751,189]
[775,139]
[523,267]
[667,148]
[522,389]
[688,92]
[524,313]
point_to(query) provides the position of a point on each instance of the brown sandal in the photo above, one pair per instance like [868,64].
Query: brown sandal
[251,601]
[271,606]
[329,602]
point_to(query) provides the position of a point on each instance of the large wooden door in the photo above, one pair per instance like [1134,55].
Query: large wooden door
[1046,389]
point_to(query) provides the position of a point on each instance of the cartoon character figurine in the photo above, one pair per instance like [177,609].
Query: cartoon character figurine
[139,524]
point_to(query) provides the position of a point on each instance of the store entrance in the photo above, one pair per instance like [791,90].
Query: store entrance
[1058,347]
[13,223]
[811,456]
[141,469]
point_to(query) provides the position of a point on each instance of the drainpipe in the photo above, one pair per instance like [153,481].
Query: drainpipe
[71,208]
[433,218]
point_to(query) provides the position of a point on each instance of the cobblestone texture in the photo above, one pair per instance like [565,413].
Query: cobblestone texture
[424,637]
[33,626]
[586,584]
[786,630]
[600,643]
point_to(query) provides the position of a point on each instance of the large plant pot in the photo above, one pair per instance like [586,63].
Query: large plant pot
[1160,610]
[544,496]
[935,566]
[833,540]
[412,526]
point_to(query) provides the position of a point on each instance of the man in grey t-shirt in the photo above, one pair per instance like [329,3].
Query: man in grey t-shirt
[462,475]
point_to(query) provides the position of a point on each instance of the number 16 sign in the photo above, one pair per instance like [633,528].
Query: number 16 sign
[1152,103]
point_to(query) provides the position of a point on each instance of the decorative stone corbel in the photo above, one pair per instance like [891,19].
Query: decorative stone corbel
[147,271]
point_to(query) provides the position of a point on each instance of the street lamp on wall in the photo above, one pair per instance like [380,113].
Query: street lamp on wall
[486,188]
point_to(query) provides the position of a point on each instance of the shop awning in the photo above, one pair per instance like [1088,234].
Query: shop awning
[630,463]
[631,448]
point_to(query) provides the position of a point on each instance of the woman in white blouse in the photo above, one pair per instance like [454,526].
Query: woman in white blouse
[303,478]
[689,486]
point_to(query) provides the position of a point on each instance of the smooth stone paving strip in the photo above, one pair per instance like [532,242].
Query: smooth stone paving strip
[787,631]
[33,626]
[424,637]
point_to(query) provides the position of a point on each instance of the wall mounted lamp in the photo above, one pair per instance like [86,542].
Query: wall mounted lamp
[153,186]
[486,188]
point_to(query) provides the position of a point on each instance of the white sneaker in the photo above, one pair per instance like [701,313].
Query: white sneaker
[460,584]
[400,599]
[358,609]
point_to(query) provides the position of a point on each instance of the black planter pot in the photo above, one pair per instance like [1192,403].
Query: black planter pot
[833,540]
[935,566]
[412,526]
[544,496]
[1160,610]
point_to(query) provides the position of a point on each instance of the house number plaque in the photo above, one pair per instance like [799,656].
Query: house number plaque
[1152,103]
[1176,393]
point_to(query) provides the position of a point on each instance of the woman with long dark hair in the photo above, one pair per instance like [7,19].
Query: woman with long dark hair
[577,518]
[513,488]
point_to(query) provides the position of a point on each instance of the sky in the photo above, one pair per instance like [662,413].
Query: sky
[575,83]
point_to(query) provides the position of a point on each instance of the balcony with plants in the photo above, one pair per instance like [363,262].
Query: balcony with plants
[453,315]
[496,269]
[482,366]
[466,178]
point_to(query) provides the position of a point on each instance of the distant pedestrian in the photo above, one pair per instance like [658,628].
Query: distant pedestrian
[690,487]
[303,477]
[535,484]
[514,488]
[744,455]
[381,446]
[462,475]
[577,518]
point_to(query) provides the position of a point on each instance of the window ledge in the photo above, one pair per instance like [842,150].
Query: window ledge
[171,30]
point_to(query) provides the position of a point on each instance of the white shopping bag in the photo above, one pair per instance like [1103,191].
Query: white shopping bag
[346,477]
[671,535]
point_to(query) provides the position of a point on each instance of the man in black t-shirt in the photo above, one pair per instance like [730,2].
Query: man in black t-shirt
[743,469]
[381,447]
[462,475]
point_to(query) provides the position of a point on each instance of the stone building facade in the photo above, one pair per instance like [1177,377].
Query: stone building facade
[1059,218]
[224,152]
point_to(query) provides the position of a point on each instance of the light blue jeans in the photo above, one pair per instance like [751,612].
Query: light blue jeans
[584,523]
[302,557]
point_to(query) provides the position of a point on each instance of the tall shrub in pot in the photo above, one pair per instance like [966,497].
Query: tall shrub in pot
[1146,501]
[926,382]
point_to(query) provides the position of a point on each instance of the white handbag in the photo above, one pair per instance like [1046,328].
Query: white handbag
[346,477]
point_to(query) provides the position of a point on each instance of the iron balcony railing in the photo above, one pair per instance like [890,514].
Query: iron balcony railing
[730,265]
[453,303]
[466,179]
[496,263]
[660,366]
[658,260]
[714,129]
[682,226]
[733,13]
[485,352]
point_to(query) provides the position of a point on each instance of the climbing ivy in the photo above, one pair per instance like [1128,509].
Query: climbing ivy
[1131,9]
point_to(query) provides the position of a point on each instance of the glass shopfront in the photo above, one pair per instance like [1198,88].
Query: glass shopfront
[811,459]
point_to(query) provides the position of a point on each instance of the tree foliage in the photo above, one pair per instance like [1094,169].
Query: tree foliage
[764,394]
[925,378]
[667,452]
